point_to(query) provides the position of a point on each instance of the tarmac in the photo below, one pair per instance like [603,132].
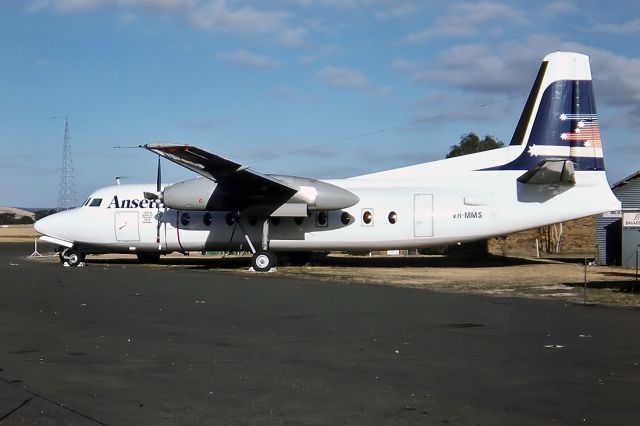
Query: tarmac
[118,343]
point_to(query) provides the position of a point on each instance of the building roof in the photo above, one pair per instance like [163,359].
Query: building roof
[626,180]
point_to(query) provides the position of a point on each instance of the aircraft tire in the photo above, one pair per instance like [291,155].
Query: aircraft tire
[263,260]
[72,257]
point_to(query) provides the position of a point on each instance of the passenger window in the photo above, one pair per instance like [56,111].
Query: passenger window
[185,219]
[367,217]
[96,202]
[207,219]
[393,217]
[345,218]
[322,219]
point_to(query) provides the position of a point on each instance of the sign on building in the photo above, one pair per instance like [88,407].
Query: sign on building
[631,220]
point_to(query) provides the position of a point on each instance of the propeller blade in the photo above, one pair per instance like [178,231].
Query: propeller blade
[157,196]
[159,177]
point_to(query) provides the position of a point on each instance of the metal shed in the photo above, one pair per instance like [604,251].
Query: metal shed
[618,233]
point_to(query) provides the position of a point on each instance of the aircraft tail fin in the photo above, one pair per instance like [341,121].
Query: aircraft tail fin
[559,123]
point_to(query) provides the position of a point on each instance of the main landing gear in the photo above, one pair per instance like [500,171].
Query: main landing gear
[71,256]
[262,260]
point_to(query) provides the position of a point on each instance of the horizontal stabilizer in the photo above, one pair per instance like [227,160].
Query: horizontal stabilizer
[549,172]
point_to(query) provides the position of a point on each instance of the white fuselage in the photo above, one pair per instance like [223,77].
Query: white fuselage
[433,204]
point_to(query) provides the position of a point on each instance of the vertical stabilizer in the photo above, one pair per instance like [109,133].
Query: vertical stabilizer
[559,121]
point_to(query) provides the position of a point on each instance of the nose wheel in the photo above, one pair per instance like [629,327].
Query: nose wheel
[72,257]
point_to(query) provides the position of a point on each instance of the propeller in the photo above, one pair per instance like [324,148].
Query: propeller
[157,196]
[159,177]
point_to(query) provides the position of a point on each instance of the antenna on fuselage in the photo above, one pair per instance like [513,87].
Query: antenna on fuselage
[121,177]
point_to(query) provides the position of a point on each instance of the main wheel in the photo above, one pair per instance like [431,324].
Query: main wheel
[72,256]
[263,260]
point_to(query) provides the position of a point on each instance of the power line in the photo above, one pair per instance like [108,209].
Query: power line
[389,129]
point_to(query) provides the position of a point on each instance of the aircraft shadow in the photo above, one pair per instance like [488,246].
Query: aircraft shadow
[631,286]
[343,261]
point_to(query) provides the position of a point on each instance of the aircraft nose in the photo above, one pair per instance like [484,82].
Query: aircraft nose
[53,225]
[44,225]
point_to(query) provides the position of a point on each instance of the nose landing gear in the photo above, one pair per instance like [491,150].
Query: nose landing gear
[71,256]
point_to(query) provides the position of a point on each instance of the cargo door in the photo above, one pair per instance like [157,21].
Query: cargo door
[127,226]
[423,215]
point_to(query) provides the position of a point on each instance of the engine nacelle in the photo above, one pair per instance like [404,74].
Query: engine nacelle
[314,195]
[192,194]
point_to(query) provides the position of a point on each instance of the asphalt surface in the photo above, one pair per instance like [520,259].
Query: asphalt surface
[124,344]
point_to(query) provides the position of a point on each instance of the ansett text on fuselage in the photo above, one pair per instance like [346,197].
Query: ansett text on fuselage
[133,203]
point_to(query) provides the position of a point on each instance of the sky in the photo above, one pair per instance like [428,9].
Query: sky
[316,88]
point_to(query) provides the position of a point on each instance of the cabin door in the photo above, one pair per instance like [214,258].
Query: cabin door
[127,226]
[423,215]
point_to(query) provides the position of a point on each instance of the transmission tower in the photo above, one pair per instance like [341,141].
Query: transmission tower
[67,195]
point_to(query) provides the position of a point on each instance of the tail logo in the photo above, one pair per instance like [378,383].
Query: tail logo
[584,139]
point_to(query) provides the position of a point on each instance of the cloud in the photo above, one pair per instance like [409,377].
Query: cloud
[215,15]
[382,91]
[343,77]
[558,8]
[510,67]
[64,6]
[626,28]
[283,92]
[218,15]
[404,65]
[395,11]
[334,3]
[467,19]
[78,6]
[294,37]
[247,59]
[485,68]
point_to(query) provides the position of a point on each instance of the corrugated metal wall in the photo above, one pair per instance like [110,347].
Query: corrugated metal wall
[601,238]
[629,194]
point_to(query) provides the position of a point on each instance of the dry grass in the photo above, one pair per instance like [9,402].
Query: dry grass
[17,233]
[494,276]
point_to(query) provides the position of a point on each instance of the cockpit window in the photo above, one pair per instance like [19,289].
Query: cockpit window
[96,202]
[87,202]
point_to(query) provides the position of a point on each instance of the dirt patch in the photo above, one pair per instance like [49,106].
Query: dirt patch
[508,277]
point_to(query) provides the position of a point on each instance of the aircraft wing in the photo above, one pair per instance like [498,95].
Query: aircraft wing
[238,186]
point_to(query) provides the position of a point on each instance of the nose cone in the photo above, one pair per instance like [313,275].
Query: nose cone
[56,225]
[43,226]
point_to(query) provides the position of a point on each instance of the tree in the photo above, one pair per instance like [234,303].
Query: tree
[7,218]
[471,143]
[43,213]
